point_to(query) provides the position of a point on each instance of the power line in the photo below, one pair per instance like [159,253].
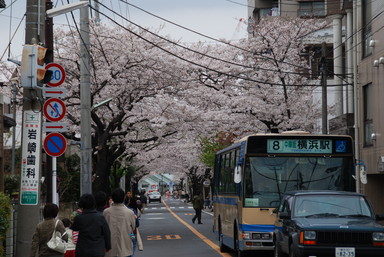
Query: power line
[189,61]
[203,35]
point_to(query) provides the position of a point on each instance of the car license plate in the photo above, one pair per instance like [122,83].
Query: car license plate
[345,252]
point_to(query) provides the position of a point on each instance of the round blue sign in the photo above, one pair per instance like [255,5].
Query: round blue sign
[55,144]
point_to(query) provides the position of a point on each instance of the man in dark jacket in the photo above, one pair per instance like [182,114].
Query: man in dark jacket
[94,234]
[198,204]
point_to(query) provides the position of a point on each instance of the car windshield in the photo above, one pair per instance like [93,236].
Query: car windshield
[331,206]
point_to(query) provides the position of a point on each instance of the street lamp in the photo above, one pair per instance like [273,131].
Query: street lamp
[85,94]
[65,8]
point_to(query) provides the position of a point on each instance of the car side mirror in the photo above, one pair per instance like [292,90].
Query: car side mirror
[379,216]
[284,215]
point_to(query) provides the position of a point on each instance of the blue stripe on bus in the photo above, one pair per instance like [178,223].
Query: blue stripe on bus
[257,228]
[226,200]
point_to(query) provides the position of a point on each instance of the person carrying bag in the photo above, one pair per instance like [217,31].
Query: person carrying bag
[57,242]
[45,230]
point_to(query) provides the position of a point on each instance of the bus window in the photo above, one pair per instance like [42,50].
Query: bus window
[266,178]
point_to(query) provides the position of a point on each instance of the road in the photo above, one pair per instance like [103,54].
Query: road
[167,230]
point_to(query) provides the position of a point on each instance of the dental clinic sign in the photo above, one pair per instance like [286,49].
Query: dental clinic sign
[30,167]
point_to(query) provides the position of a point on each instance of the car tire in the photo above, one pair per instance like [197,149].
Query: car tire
[222,246]
[277,251]
[291,251]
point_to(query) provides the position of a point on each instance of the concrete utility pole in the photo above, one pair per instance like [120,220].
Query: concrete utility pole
[49,59]
[29,215]
[85,103]
[324,102]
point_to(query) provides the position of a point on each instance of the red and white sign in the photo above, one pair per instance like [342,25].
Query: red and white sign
[54,109]
[55,126]
[55,144]
[56,92]
[58,74]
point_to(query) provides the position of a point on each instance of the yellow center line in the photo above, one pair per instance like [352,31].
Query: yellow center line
[197,233]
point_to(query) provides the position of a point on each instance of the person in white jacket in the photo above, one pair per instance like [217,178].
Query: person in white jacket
[122,223]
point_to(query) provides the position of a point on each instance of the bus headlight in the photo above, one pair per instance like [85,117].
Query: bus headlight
[261,236]
[246,235]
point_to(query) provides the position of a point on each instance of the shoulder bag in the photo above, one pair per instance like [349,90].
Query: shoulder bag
[57,243]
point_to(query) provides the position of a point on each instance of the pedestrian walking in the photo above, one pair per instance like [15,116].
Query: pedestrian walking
[43,233]
[94,235]
[198,205]
[122,224]
[71,247]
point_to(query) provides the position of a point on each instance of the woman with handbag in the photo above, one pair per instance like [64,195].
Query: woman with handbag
[45,230]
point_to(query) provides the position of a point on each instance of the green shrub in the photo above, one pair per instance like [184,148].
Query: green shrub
[5,215]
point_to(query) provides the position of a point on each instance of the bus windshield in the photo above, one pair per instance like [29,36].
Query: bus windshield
[267,178]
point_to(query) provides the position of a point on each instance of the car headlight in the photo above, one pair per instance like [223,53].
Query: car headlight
[378,236]
[308,237]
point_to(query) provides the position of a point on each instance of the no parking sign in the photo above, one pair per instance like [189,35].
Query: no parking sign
[55,144]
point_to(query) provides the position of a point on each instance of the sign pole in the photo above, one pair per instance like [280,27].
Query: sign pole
[55,199]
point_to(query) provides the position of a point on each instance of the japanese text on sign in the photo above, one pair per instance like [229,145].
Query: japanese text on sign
[299,146]
[30,167]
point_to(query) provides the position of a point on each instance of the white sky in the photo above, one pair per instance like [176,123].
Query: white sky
[214,18]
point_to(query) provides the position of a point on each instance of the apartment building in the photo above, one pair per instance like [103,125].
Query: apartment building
[355,39]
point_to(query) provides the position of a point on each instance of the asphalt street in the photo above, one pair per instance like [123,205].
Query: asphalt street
[167,230]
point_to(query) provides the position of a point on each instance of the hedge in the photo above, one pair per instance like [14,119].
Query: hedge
[5,215]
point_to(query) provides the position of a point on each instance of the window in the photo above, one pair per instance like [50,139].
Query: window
[368,114]
[311,9]
[367,26]
[227,184]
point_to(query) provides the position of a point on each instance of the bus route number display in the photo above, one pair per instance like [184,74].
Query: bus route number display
[318,146]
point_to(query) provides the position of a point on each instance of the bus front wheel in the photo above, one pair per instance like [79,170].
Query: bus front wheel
[223,247]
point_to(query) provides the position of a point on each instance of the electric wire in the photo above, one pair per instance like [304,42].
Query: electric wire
[194,63]
[206,36]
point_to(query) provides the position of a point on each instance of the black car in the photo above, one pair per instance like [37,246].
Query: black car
[327,223]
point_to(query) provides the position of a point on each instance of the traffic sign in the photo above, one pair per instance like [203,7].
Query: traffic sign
[57,92]
[55,144]
[58,74]
[54,109]
[55,126]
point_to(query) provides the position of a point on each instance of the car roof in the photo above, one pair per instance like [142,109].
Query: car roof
[321,192]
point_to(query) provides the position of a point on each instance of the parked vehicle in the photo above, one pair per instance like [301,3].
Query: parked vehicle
[327,223]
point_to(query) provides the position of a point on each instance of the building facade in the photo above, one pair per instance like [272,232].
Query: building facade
[356,37]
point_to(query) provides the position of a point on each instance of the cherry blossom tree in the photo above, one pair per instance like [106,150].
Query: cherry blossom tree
[167,96]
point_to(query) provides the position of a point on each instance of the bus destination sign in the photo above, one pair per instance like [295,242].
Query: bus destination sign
[310,146]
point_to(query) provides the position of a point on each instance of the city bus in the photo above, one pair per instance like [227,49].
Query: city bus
[251,175]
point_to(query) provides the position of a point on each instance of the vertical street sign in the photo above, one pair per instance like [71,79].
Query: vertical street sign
[55,144]
[58,74]
[30,168]
[54,109]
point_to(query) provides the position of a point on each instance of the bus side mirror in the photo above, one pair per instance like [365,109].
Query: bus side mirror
[379,217]
[284,215]
[237,175]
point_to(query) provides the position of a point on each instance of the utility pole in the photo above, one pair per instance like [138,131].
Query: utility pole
[29,215]
[85,103]
[49,59]
[324,123]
